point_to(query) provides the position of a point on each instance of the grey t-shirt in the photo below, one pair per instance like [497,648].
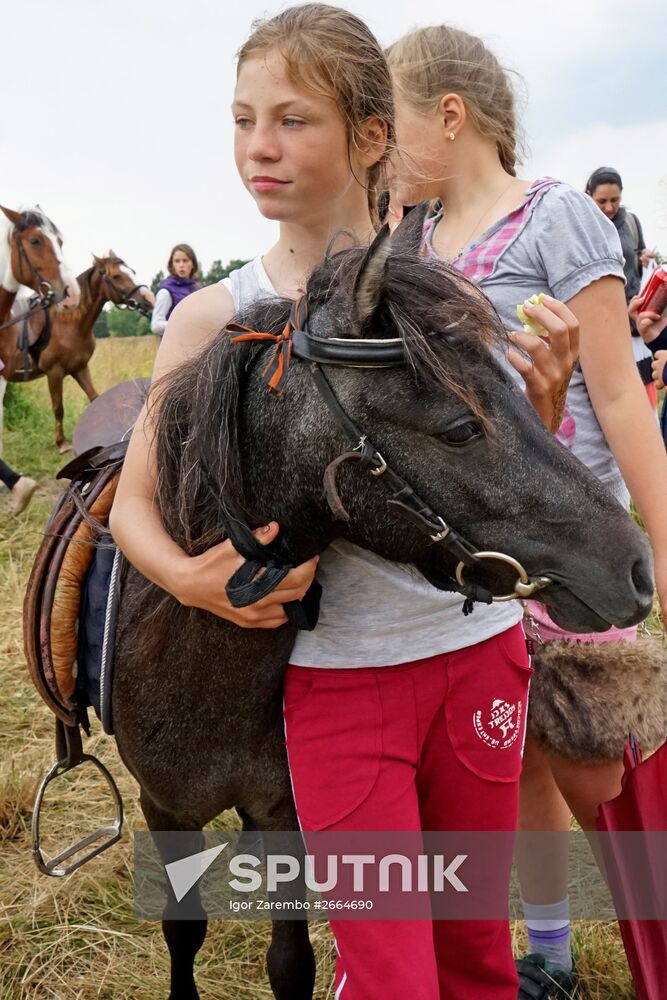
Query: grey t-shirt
[374,612]
[562,243]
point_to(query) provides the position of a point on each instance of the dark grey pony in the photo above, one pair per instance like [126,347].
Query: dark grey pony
[197,701]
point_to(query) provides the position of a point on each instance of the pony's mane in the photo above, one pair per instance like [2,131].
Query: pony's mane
[444,321]
[33,215]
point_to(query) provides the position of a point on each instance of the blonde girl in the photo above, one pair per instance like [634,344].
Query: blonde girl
[458,144]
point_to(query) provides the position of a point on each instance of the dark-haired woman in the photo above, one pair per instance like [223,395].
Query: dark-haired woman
[179,283]
[605,187]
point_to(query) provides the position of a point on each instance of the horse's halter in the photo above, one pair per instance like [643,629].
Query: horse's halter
[365,353]
[43,288]
[45,296]
[125,298]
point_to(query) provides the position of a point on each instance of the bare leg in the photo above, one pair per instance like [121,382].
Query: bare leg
[85,380]
[55,378]
[541,861]
[586,786]
[551,788]
[184,937]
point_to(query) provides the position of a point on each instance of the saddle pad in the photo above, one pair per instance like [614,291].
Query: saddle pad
[97,628]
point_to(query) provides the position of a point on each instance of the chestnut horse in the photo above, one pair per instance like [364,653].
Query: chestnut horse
[30,255]
[63,342]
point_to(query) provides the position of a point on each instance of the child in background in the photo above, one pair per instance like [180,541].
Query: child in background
[179,283]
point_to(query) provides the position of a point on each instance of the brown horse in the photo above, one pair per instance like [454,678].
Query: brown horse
[31,255]
[62,343]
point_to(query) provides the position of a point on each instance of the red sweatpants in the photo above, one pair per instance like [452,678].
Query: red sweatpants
[407,748]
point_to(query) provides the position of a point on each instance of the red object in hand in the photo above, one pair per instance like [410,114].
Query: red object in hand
[654,296]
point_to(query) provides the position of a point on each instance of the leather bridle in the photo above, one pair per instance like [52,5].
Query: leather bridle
[296,340]
[125,298]
[43,288]
[42,301]
[44,296]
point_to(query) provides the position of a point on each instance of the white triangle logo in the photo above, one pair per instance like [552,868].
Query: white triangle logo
[186,872]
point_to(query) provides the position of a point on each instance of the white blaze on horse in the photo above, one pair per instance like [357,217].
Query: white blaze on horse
[31,255]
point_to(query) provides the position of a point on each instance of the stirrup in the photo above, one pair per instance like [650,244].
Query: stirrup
[108,835]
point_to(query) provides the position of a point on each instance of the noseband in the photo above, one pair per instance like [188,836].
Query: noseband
[296,340]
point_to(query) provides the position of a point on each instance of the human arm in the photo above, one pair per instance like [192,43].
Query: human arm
[646,256]
[197,581]
[619,402]
[160,309]
[548,368]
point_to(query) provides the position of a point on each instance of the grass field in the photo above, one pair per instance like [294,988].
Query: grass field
[75,938]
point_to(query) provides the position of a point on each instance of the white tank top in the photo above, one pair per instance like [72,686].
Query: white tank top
[374,612]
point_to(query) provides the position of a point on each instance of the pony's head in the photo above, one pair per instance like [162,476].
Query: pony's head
[449,420]
[31,255]
[119,283]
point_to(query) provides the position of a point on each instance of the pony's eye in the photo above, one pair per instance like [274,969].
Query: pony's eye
[462,432]
[35,241]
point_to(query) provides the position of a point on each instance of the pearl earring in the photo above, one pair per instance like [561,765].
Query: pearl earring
[452,136]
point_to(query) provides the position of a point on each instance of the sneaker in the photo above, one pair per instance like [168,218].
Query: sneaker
[22,494]
[540,981]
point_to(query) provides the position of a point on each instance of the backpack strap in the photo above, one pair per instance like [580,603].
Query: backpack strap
[633,227]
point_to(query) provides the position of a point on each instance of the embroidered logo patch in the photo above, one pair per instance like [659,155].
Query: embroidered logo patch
[501,727]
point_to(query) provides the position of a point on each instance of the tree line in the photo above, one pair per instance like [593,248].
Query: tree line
[116,322]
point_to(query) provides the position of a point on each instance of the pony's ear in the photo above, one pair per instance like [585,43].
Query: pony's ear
[408,235]
[14,217]
[112,254]
[370,279]
[99,261]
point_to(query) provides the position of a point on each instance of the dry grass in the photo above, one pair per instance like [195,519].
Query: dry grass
[76,939]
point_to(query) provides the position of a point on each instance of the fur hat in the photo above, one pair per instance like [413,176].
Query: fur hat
[585,698]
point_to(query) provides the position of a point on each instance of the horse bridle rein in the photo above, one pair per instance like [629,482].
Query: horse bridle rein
[296,340]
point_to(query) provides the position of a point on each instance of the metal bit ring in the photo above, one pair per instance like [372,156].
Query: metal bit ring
[524,587]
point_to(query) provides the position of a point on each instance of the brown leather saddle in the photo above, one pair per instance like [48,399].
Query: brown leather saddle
[53,594]
[53,601]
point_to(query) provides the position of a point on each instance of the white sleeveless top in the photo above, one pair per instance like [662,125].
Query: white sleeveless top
[374,612]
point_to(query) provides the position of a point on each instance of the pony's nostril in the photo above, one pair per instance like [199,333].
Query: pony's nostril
[641,577]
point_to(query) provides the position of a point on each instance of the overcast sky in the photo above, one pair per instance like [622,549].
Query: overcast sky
[116,118]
